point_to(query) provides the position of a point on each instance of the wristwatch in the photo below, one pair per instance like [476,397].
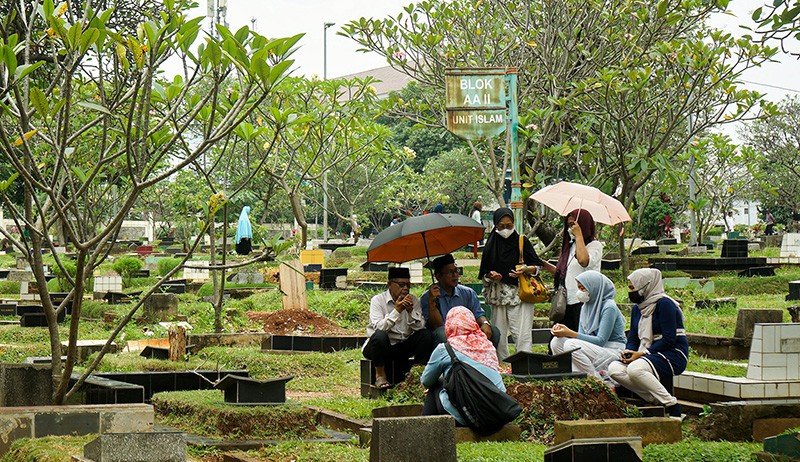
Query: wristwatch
[485,322]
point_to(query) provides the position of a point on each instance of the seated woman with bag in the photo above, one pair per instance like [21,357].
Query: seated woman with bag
[657,345]
[471,347]
[601,329]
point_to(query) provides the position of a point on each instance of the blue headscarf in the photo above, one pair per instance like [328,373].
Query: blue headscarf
[244,230]
[601,292]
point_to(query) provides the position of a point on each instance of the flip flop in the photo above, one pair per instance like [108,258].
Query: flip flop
[382,383]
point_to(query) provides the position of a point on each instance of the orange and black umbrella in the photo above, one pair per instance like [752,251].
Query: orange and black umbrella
[424,236]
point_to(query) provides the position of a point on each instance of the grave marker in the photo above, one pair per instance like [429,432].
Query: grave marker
[293,285]
[413,439]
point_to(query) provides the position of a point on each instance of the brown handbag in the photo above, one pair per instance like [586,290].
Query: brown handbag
[531,288]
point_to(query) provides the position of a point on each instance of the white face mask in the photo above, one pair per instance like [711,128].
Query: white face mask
[571,236]
[583,296]
[504,233]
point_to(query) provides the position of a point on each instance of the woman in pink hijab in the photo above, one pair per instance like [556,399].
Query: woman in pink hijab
[471,347]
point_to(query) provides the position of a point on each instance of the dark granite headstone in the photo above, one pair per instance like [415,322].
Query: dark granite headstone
[762,271]
[787,445]
[426,438]
[526,363]
[645,250]
[794,290]
[622,449]
[25,385]
[246,390]
[734,248]
[327,277]
[665,266]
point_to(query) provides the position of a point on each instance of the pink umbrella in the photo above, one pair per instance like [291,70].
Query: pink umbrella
[565,197]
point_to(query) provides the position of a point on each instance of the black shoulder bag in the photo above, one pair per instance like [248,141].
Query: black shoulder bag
[483,406]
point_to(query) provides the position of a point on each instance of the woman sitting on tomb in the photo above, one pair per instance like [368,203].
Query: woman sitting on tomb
[601,330]
[657,348]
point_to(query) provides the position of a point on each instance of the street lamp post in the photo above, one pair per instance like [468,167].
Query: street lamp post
[325,175]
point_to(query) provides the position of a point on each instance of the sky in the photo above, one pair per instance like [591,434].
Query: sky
[279,18]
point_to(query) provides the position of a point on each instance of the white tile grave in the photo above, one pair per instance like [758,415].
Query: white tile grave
[195,274]
[108,284]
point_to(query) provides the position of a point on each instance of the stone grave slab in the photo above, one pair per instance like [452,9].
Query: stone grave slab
[739,420]
[395,372]
[99,390]
[161,307]
[413,439]
[507,433]
[247,390]
[734,248]
[327,277]
[87,347]
[135,447]
[4,273]
[155,382]
[246,277]
[650,429]
[746,320]
[621,449]
[769,427]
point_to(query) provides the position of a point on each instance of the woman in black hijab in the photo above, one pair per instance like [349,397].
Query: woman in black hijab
[500,275]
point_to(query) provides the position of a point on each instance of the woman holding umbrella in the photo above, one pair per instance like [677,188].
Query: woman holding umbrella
[580,251]
[500,278]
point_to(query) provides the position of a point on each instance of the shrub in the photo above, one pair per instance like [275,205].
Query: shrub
[127,267]
[61,278]
[165,265]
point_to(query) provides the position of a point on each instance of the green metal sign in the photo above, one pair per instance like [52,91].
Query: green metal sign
[476,102]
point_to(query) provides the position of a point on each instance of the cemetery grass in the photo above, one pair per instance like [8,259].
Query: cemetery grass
[204,413]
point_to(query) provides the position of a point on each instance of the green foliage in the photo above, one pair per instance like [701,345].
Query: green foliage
[653,219]
[694,450]
[165,265]
[716,367]
[46,449]
[500,451]
[460,179]
[9,287]
[351,406]
[61,278]
[127,267]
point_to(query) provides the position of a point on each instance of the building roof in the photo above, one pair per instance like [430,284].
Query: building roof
[389,79]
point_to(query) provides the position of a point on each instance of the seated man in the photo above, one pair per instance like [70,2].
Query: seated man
[448,293]
[396,327]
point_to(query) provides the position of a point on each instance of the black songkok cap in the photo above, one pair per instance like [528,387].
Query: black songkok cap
[442,261]
[399,273]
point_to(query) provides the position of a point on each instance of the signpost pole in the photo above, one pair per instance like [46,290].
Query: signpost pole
[513,123]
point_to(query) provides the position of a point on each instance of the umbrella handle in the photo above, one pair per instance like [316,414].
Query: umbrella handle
[430,267]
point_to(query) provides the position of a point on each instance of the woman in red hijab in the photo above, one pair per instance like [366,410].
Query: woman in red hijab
[471,347]
[580,251]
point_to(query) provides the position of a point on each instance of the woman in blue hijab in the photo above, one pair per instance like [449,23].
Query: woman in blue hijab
[244,233]
[601,329]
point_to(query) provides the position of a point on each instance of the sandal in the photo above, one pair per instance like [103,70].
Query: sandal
[382,384]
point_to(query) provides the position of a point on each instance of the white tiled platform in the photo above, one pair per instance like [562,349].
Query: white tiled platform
[775,352]
[737,387]
[773,369]
[790,246]
[108,284]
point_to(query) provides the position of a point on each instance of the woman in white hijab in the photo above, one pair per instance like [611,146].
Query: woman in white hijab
[601,329]
[657,345]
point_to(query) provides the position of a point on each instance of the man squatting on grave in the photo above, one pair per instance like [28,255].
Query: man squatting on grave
[396,327]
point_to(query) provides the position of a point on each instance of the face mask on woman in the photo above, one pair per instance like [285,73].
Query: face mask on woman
[504,233]
[571,235]
[583,296]
[635,297]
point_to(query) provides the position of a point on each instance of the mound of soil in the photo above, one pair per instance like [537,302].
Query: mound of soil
[295,322]
[545,402]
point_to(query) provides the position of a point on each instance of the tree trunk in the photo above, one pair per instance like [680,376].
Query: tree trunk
[219,289]
[177,343]
[300,216]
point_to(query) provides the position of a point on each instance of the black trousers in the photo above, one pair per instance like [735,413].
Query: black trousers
[419,345]
[572,316]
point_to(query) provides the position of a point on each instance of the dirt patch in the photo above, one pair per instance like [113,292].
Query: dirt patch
[295,322]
